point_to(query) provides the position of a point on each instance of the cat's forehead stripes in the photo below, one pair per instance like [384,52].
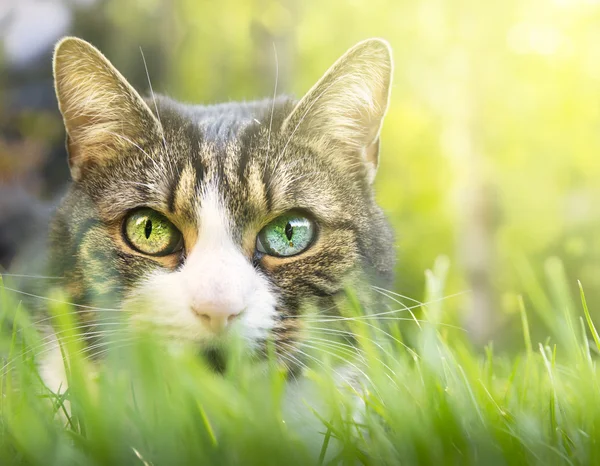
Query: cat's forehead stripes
[211,156]
[183,189]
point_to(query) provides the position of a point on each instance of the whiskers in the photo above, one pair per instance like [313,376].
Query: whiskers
[391,315]
[34,335]
[170,160]
[273,103]
[78,337]
[349,347]
[303,349]
[35,277]
[338,338]
[58,301]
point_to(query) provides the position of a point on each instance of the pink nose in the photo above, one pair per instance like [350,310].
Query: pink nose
[215,318]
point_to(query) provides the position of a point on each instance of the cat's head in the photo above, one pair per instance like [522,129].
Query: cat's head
[231,218]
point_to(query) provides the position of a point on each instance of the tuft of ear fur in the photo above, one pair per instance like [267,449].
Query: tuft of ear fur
[344,111]
[101,111]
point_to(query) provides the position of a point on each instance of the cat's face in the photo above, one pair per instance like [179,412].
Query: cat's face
[235,218]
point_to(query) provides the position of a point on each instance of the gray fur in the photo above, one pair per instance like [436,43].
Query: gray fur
[266,157]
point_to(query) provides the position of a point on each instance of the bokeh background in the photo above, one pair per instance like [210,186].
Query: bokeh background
[490,150]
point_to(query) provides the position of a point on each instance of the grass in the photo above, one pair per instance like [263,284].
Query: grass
[435,401]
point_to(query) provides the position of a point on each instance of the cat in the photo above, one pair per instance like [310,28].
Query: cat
[209,221]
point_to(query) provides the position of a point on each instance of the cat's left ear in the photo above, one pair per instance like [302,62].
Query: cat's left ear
[102,112]
[344,111]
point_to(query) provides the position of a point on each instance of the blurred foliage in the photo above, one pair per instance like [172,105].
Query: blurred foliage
[489,150]
[144,400]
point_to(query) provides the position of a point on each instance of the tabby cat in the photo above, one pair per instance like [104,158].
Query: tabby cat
[209,221]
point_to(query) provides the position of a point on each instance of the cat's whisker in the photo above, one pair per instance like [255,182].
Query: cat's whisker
[344,360]
[56,345]
[293,360]
[402,304]
[296,349]
[420,303]
[385,313]
[272,106]
[57,335]
[46,347]
[285,363]
[425,304]
[97,322]
[109,345]
[389,335]
[389,372]
[58,301]
[347,333]
[440,324]
[359,351]
[161,127]
[344,347]
[376,318]
[41,277]
[114,346]
[55,329]
[75,314]
[323,311]
[392,337]
[314,312]
[339,357]
[306,344]
[379,288]
[58,331]
[50,340]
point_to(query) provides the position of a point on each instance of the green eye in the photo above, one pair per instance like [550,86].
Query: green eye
[287,235]
[151,233]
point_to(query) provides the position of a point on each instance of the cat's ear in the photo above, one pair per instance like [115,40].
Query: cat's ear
[101,111]
[344,111]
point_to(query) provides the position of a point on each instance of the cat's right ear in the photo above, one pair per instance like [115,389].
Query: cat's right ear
[342,114]
[102,112]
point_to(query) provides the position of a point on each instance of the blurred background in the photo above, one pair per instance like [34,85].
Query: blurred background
[490,150]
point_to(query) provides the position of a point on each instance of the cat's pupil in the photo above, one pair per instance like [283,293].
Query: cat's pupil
[289,231]
[148,228]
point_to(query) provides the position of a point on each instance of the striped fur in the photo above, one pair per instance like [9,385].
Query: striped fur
[250,162]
